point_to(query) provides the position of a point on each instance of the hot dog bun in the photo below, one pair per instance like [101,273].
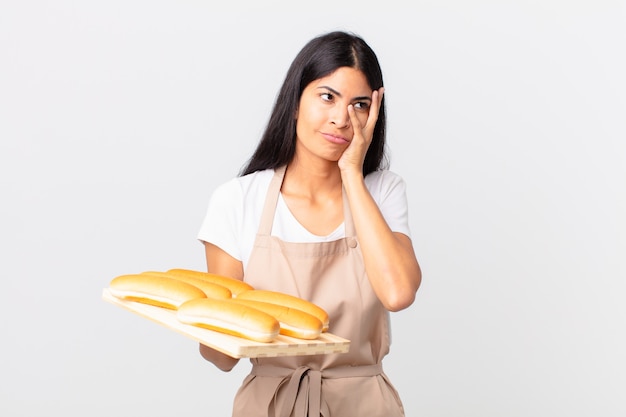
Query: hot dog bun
[294,323]
[228,317]
[155,290]
[275,297]
[210,289]
[234,285]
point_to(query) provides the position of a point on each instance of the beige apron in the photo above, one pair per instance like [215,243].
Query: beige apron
[331,275]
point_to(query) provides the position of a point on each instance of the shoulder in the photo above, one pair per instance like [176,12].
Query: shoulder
[256,180]
[242,189]
[234,210]
[383,176]
[384,182]
[388,189]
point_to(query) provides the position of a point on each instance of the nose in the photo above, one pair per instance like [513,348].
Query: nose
[340,117]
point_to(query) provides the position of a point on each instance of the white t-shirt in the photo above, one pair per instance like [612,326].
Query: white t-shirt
[234,212]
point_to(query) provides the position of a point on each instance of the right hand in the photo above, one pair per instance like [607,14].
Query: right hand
[222,361]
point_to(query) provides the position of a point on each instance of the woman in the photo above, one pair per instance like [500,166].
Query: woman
[316,214]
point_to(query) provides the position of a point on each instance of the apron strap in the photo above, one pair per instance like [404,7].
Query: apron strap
[350,231]
[267,217]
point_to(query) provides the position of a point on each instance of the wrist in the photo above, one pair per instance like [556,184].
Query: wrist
[352,178]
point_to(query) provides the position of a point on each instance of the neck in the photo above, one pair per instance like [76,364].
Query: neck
[311,181]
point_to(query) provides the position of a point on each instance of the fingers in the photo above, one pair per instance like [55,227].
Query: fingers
[372,118]
[354,120]
[354,154]
[377,99]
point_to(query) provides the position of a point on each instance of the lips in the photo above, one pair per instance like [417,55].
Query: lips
[340,140]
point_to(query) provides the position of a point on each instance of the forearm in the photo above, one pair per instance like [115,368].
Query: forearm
[219,262]
[389,257]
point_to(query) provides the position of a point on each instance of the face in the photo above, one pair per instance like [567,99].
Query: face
[323,128]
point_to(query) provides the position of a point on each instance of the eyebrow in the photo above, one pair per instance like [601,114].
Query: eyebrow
[337,93]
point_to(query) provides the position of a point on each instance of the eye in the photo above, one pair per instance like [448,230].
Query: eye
[362,105]
[327,96]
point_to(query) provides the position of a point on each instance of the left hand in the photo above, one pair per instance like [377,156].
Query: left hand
[354,155]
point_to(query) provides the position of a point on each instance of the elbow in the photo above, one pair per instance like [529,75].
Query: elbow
[399,302]
[404,296]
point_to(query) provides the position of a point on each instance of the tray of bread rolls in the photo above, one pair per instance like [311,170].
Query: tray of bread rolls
[226,314]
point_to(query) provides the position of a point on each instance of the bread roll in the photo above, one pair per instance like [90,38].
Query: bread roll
[294,323]
[155,290]
[228,317]
[234,285]
[210,289]
[287,300]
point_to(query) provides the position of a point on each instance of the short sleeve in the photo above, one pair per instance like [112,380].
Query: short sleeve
[223,219]
[389,191]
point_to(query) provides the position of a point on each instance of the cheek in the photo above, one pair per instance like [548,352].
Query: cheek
[362,118]
[310,116]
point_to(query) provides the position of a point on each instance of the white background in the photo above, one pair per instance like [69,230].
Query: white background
[507,119]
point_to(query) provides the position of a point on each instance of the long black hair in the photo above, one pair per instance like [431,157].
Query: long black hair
[320,57]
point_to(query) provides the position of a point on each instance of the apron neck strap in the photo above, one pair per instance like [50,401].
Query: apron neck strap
[271,200]
[267,218]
